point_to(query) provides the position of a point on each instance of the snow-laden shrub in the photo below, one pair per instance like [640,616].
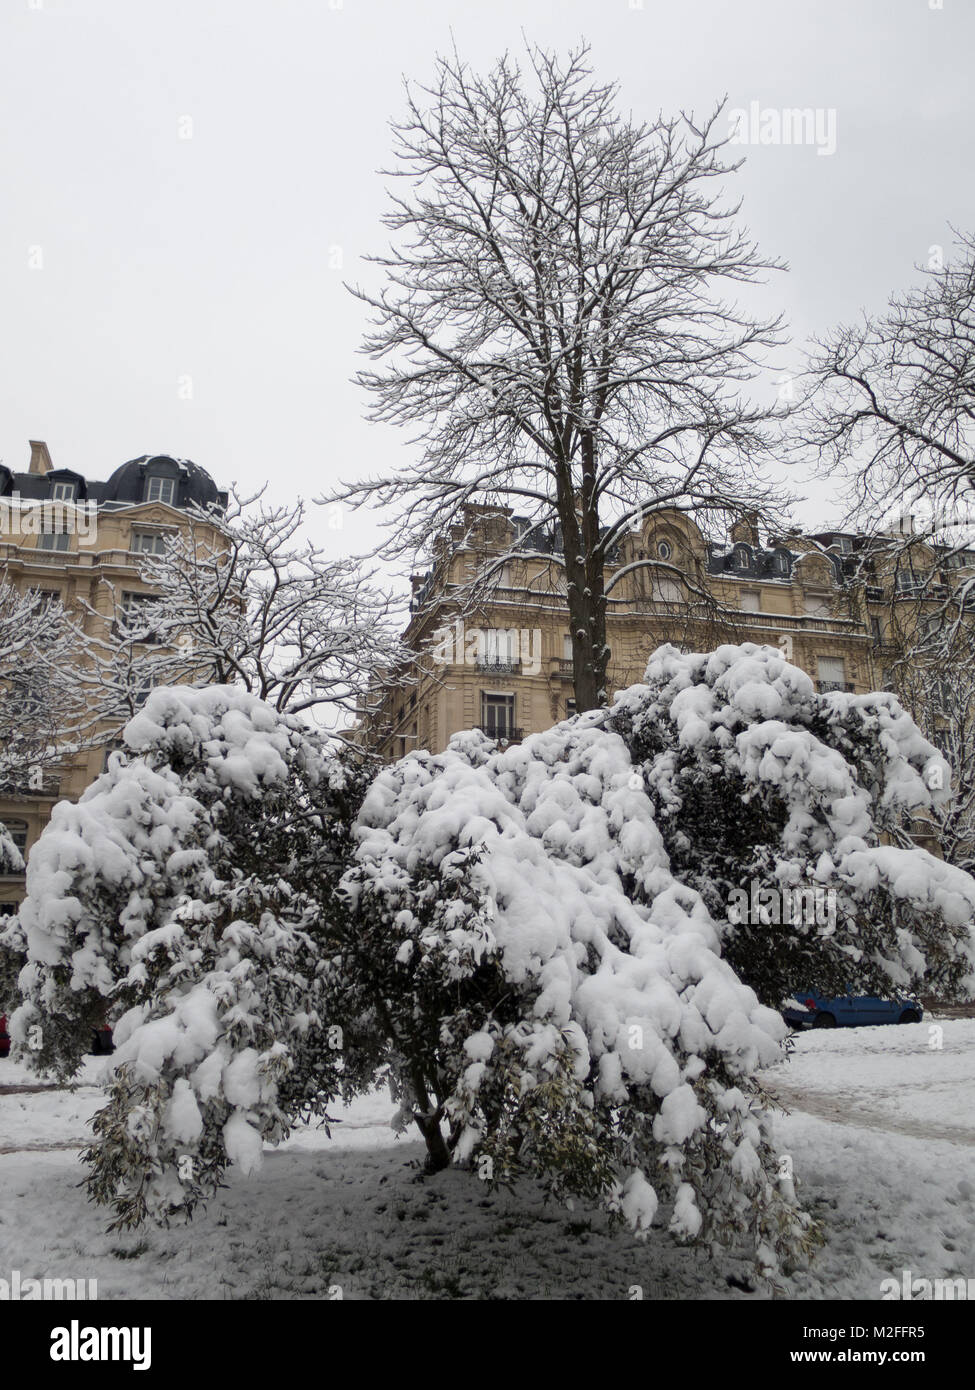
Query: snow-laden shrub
[188,898]
[774,801]
[553,919]
[558,999]
[12,944]
[536,948]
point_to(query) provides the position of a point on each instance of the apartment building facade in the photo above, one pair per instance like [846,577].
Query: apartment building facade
[67,537]
[505,666]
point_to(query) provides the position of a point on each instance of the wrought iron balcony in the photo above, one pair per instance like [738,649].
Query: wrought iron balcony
[499,666]
[825,686]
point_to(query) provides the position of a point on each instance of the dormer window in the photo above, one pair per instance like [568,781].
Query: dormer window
[64,491]
[160,489]
[780,563]
[742,557]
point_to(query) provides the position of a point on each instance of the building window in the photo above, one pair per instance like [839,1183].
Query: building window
[665,590]
[742,557]
[566,647]
[498,647]
[933,625]
[780,563]
[831,671]
[135,602]
[570,708]
[817,605]
[49,539]
[665,550]
[497,715]
[43,598]
[160,489]
[63,492]
[136,617]
[148,542]
[750,601]
[17,830]
[876,631]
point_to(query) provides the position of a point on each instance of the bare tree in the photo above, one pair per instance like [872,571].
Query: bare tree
[551,330]
[245,599]
[891,408]
[939,693]
[42,709]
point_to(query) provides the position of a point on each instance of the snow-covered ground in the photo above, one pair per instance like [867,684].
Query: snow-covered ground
[880,1129]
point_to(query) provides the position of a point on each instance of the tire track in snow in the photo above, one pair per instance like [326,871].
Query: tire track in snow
[842,1111]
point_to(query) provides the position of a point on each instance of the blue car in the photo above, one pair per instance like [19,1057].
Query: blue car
[807,1010]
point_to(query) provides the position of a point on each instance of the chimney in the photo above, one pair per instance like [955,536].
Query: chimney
[40,457]
[746,529]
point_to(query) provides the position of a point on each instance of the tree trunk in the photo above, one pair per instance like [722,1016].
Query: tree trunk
[587,619]
[438,1155]
[579,518]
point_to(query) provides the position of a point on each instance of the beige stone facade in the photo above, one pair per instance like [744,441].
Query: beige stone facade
[506,667]
[77,540]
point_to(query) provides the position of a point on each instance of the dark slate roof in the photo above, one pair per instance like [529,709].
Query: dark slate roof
[759,563]
[126,486]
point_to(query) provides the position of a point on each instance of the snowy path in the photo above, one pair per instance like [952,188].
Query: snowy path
[880,1132]
[846,1110]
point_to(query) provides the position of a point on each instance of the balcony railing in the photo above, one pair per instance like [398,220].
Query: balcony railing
[87,558]
[825,686]
[499,666]
[501,735]
[566,668]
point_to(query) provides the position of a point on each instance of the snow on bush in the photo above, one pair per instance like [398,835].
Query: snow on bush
[557,912]
[183,899]
[535,948]
[11,938]
[560,996]
[757,781]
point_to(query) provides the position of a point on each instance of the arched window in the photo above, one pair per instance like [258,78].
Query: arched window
[742,557]
[665,550]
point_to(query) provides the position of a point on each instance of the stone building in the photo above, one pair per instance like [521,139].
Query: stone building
[505,664]
[74,539]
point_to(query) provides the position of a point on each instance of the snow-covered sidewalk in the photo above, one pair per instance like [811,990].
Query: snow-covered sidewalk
[881,1133]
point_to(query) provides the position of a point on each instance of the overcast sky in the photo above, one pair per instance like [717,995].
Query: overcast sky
[186,184]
